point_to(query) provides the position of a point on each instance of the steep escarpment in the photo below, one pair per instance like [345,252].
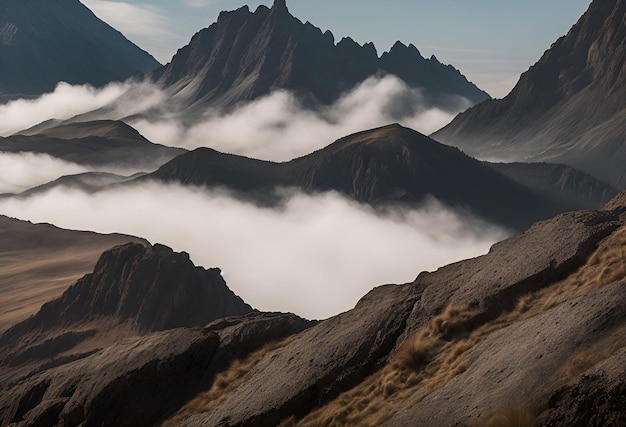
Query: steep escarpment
[567,108]
[40,261]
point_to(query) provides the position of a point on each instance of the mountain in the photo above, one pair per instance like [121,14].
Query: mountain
[40,261]
[150,287]
[570,107]
[44,42]
[382,166]
[559,182]
[96,143]
[533,329]
[245,55]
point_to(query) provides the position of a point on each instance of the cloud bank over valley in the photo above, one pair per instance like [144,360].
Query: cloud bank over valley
[315,255]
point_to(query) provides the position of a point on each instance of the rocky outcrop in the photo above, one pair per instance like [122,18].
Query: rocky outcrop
[150,287]
[44,42]
[138,381]
[542,316]
[570,107]
[319,363]
[40,261]
[245,55]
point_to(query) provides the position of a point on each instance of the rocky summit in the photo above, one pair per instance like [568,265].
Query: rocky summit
[246,55]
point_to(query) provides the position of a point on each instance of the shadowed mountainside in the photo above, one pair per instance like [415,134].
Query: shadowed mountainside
[387,165]
[44,42]
[245,55]
[570,107]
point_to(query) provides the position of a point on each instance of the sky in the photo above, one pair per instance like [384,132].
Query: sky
[491,41]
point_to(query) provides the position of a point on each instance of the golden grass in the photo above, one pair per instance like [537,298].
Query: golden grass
[436,353]
[236,374]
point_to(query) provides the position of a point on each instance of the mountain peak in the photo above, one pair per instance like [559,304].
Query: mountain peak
[280,5]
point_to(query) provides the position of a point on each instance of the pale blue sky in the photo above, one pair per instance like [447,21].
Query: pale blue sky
[490,41]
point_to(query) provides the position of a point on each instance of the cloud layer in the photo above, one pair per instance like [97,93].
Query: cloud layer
[278,128]
[275,127]
[315,256]
[19,172]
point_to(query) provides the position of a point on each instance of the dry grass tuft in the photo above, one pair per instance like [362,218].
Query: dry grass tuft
[423,347]
[225,383]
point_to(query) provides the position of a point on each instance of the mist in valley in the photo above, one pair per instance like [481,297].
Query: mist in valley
[315,255]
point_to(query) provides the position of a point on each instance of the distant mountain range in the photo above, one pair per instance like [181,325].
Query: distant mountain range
[570,107]
[43,42]
[383,167]
[397,165]
[245,55]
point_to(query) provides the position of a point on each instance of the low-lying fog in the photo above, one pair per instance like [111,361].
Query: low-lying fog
[275,127]
[315,256]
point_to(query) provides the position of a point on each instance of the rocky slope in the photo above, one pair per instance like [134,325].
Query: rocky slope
[382,166]
[142,319]
[38,262]
[43,42]
[245,55]
[97,143]
[570,107]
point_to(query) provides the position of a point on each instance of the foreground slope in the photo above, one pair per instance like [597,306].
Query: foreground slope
[523,322]
[387,165]
[245,55]
[570,107]
[44,42]
[541,316]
